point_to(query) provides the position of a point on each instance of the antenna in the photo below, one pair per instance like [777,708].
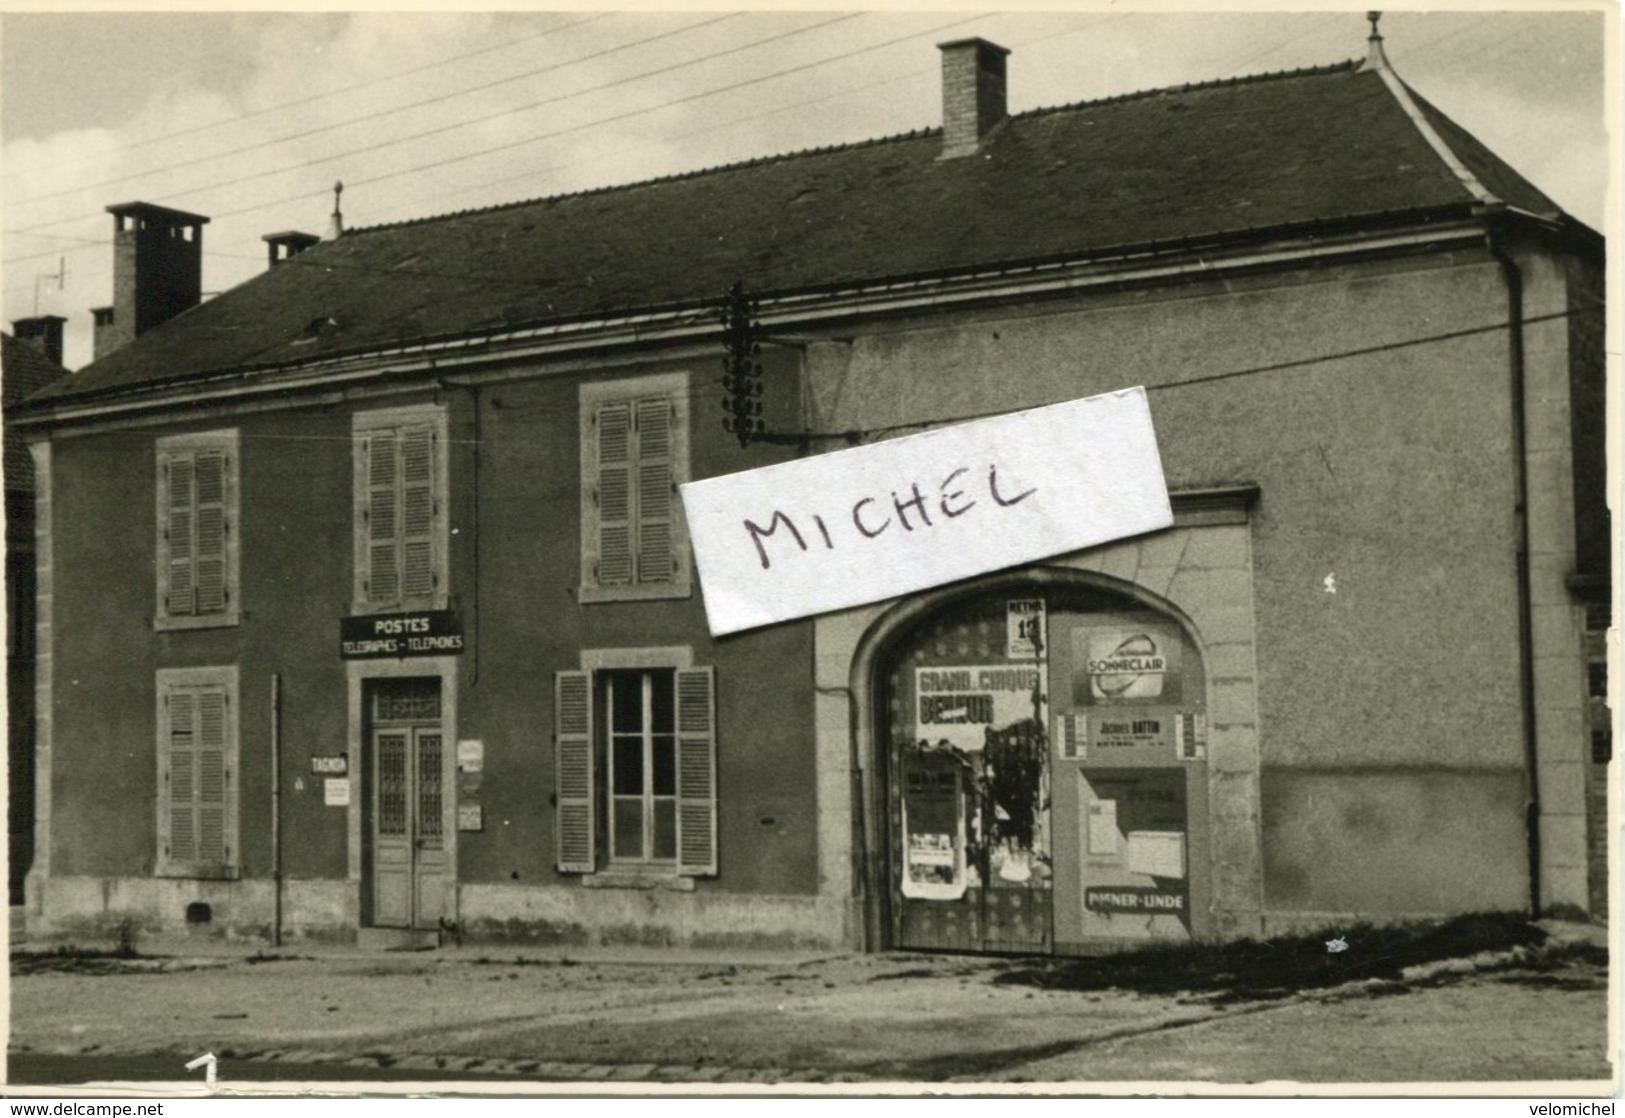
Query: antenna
[61,278]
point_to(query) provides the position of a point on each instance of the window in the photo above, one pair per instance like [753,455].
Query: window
[634,455]
[197,554]
[400,498]
[197,769]
[641,726]
[643,785]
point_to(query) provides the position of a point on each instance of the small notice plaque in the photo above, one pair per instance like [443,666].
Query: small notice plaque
[1132,898]
[336,791]
[470,817]
[390,636]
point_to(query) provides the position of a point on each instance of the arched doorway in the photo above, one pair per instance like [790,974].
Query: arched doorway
[1039,748]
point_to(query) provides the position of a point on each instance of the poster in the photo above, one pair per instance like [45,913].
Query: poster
[933,830]
[1125,664]
[1027,636]
[957,706]
[1103,834]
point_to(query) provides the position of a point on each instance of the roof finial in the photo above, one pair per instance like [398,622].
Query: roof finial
[1375,59]
[335,228]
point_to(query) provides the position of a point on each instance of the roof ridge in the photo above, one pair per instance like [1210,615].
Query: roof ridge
[1348,65]
[675,176]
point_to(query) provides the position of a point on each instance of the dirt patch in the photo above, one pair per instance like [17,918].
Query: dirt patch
[1252,970]
[87,961]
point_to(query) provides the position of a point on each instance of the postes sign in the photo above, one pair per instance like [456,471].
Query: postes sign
[390,636]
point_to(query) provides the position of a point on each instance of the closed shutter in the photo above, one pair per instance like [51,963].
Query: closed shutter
[696,772]
[209,559]
[212,848]
[614,495]
[572,771]
[654,513]
[382,527]
[195,825]
[418,512]
[182,595]
[180,832]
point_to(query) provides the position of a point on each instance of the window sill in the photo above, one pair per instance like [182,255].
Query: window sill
[392,609]
[199,873]
[628,877]
[588,595]
[200,621]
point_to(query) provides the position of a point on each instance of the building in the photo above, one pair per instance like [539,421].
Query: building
[369,609]
[30,359]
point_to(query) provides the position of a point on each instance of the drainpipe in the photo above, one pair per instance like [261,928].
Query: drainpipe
[1513,276]
[276,810]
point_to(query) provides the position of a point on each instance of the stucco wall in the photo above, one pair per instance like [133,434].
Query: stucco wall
[1383,548]
[514,570]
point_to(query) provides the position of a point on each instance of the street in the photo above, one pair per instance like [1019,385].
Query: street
[492,1015]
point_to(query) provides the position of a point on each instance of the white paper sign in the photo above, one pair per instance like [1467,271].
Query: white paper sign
[336,791]
[875,522]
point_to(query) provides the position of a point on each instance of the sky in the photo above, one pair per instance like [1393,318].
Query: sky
[250,118]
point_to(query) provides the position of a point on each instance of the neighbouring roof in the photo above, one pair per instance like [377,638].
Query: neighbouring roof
[24,370]
[1154,168]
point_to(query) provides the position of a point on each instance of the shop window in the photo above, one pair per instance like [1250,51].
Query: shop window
[197,769]
[635,770]
[400,503]
[197,549]
[634,455]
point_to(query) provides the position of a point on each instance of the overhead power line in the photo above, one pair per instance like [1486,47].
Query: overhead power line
[849,91]
[283,105]
[630,113]
[336,125]
[454,126]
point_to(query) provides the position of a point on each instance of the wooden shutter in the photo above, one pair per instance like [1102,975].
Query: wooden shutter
[696,772]
[212,842]
[417,512]
[209,559]
[382,528]
[180,796]
[572,772]
[654,498]
[178,534]
[614,495]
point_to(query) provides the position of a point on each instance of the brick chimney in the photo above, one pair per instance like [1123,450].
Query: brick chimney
[285,246]
[973,101]
[44,333]
[157,271]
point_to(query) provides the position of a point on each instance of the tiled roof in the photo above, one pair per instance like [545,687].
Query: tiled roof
[1158,167]
[24,370]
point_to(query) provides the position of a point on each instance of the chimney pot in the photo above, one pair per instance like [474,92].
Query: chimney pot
[973,94]
[157,271]
[44,333]
[284,246]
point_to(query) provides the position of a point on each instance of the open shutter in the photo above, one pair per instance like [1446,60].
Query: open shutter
[572,771]
[383,518]
[180,833]
[654,534]
[614,495]
[417,512]
[212,844]
[178,534]
[209,559]
[696,772]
